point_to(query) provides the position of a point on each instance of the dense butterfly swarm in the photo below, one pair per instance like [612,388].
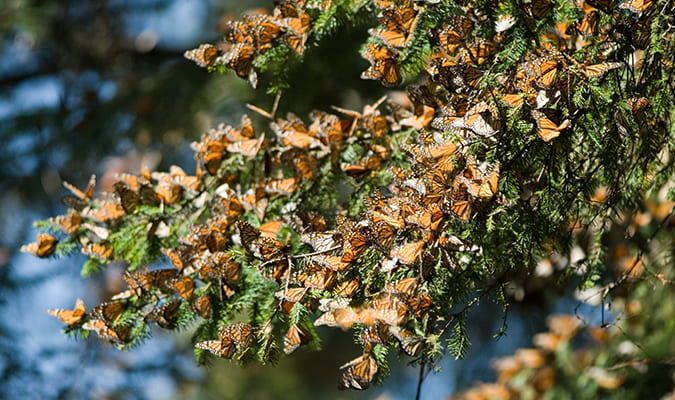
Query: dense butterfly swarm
[261,248]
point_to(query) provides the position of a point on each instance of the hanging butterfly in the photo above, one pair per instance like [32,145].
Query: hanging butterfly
[638,106]
[589,25]
[118,335]
[637,31]
[399,24]
[547,129]
[383,66]
[485,186]
[604,5]
[406,286]
[453,33]
[109,312]
[293,295]
[411,343]
[183,286]
[69,317]
[599,70]
[202,306]
[241,333]
[224,347]
[166,315]
[539,9]
[204,56]
[407,253]
[387,308]
[79,200]
[358,373]
[69,223]
[376,334]
[101,251]
[296,31]
[240,59]
[637,6]
[346,288]
[296,337]
[43,248]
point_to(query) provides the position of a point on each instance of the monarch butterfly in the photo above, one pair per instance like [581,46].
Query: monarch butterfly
[317,277]
[453,243]
[216,241]
[69,317]
[545,70]
[202,306]
[247,148]
[249,235]
[282,186]
[240,60]
[296,33]
[153,279]
[79,200]
[599,70]
[638,105]
[483,187]
[184,286]
[539,8]
[359,373]
[513,100]
[408,252]
[587,26]
[478,119]
[376,334]
[383,65]
[419,304]
[226,267]
[293,295]
[478,51]
[102,251]
[637,6]
[546,128]
[295,337]
[168,191]
[320,241]
[128,197]
[103,211]
[43,248]
[344,318]
[346,288]
[166,315]
[399,26]
[240,333]
[204,56]
[110,311]
[119,335]
[411,343]
[387,308]
[222,348]
[604,5]
[334,263]
[406,286]
[383,235]
[453,33]
[637,31]
[388,215]
[69,223]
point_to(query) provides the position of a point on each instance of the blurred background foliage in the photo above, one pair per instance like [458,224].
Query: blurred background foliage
[101,87]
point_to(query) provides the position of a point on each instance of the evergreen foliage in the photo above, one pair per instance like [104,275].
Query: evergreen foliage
[527,131]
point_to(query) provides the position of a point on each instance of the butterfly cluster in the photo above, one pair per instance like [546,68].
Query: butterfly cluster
[253,36]
[249,232]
